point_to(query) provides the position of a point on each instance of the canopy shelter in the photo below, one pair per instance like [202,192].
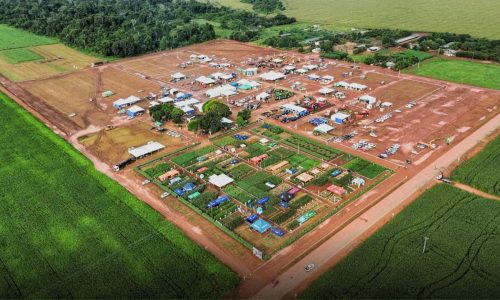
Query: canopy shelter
[261,226]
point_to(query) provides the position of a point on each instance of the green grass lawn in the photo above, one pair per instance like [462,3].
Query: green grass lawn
[482,171]
[11,38]
[460,71]
[416,15]
[19,55]
[68,231]
[461,258]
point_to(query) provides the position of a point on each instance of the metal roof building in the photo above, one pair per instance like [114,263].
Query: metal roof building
[147,149]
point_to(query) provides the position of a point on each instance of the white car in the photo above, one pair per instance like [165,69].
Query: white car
[146,182]
[309,267]
[164,195]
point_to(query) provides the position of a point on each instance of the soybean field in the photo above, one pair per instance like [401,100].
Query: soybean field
[461,233]
[482,171]
[68,231]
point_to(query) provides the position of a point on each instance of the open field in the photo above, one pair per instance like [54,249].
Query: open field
[53,60]
[460,258]
[11,38]
[420,15]
[460,71]
[481,171]
[78,234]
[19,55]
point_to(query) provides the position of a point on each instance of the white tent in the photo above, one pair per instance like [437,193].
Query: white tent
[368,99]
[326,91]
[272,76]
[178,76]
[205,80]
[146,149]
[323,128]
[220,181]
[262,96]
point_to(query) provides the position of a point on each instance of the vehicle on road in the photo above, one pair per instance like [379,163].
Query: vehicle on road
[309,267]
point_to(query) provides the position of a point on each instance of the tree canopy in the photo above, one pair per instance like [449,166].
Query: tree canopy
[128,27]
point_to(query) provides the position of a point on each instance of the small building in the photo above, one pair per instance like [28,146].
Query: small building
[313,77]
[374,49]
[358,181]
[301,71]
[340,117]
[294,108]
[178,76]
[147,149]
[326,91]
[408,39]
[310,67]
[168,175]
[166,100]
[134,111]
[121,103]
[337,190]
[305,177]
[272,76]
[225,120]
[250,72]
[263,96]
[220,181]
[358,87]
[261,226]
[323,128]
[327,79]
[340,95]
[277,166]
[205,80]
[225,90]
[369,100]
[450,52]
[264,141]
[188,102]
[257,159]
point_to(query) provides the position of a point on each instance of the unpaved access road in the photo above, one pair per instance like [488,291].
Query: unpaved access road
[295,278]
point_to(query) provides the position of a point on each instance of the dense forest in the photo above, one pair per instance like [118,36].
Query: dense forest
[266,6]
[130,27]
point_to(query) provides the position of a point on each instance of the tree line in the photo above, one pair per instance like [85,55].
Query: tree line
[129,27]
[266,6]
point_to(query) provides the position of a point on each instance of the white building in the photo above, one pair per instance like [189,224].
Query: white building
[121,103]
[293,108]
[220,181]
[147,149]
[225,90]
[205,80]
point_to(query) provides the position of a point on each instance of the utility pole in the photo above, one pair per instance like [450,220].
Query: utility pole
[425,243]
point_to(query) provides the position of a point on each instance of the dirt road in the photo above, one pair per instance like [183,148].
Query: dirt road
[472,190]
[295,278]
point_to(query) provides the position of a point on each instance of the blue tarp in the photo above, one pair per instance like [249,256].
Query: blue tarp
[252,218]
[277,231]
[336,173]
[262,200]
[179,191]
[189,186]
[218,201]
[318,121]
[240,137]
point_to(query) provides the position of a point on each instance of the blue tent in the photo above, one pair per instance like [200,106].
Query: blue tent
[179,191]
[218,201]
[317,121]
[261,226]
[262,200]
[189,186]
[252,218]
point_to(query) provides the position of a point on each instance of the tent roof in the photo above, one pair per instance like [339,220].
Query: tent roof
[261,226]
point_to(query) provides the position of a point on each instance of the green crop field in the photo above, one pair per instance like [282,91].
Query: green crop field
[11,38]
[481,171]
[461,258]
[68,231]
[19,55]
[419,15]
[460,71]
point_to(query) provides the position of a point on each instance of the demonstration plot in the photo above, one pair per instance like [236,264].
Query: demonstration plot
[264,192]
